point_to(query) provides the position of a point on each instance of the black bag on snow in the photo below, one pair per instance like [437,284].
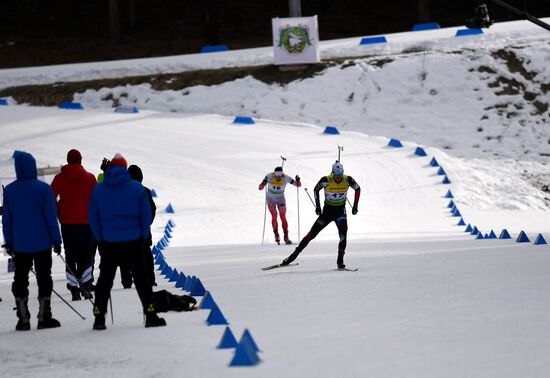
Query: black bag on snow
[165,301]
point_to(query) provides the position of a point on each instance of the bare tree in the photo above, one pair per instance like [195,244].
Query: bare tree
[114,20]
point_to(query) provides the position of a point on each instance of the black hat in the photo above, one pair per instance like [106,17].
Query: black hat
[278,169]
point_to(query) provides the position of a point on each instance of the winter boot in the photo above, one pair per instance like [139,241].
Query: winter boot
[75,292]
[277,237]
[287,240]
[152,319]
[86,290]
[290,258]
[24,323]
[340,261]
[45,319]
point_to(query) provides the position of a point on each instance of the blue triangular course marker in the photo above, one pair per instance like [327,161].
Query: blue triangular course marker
[449,195]
[4,102]
[171,223]
[373,40]
[174,276]
[425,26]
[170,209]
[486,236]
[475,231]
[468,228]
[451,204]
[461,222]
[504,234]
[167,234]
[155,251]
[453,209]
[207,301]
[181,280]
[420,152]
[492,235]
[465,32]
[228,340]
[161,266]
[153,193]
[446,180]
[198,289]
[189,283]
[241,120]
[166,271]
[216,317]
[247,337]
[331,130]
[128,109]
[479,236]
[159,259]
[540,240]
[71,105]
[441,171]
[522,238]
[434,162]
[456,213]
[244,356]
[395,143]
[168,228]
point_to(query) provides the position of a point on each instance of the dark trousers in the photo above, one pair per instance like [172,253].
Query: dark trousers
[43,269]
[336,214]
[126,273]
[80,246]
[114,255]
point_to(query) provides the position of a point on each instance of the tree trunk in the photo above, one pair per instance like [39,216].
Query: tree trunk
[424,11]
[114,20]
[210,28]
[132,11]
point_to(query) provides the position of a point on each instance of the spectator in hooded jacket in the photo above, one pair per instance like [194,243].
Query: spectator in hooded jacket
[74,187]
[120,217]
[30,228]
[125,274]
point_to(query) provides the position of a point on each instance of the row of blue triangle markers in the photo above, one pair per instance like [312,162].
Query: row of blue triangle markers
[504,234]
[246,349]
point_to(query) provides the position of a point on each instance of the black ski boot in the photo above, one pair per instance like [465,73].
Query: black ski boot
[290,258]
[152,319]
[24,323]
[45,319]
[277,237]
[340,261]
[86,291]
[75,293]
[99,323]
[287,240]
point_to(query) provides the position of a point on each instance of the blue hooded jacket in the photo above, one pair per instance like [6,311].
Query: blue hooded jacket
[119,208]
[29,222]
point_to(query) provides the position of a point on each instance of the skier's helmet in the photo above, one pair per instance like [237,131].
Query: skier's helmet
[337,169]
[278,171]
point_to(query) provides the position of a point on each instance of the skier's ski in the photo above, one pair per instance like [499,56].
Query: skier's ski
[278,266]
[347,269]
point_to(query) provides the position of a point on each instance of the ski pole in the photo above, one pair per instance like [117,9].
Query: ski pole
[298,201]
[349,202]
[77,279]
[67,303]
[111,308]
[265,214]
[313,203]
[340,148]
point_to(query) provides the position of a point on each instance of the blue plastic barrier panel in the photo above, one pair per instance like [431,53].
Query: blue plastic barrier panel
[466,32]
[426,26]
[373,40]
[4,102]
[331,130]
[395,143]
[420,152]
[128,109]
[214,48]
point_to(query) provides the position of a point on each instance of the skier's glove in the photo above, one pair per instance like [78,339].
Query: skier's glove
[318,210]
[104,164]
[8,249]
[261,186]
[354,209]
[57,249]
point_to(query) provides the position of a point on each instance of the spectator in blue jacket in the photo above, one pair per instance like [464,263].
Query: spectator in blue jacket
[30,229]
[120,217]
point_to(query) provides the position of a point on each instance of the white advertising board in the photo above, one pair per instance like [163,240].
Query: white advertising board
[295,40]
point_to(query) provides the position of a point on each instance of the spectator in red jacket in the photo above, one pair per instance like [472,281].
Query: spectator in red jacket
[72,189]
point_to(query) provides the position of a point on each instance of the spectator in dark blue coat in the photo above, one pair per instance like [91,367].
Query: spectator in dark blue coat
[120,217]
[30,228]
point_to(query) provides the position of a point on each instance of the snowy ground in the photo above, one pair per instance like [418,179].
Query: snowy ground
[428,300]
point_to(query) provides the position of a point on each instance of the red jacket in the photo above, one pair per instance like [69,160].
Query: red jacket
[74,187]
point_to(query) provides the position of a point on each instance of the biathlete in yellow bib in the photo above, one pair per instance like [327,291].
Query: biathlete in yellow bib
[275,197]
[336,186]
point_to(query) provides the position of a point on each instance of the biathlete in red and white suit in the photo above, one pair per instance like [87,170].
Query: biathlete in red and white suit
[275,197]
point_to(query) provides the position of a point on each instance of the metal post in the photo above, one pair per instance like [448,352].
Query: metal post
[294,8]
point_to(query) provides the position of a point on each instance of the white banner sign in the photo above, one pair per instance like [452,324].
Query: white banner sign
[295,40]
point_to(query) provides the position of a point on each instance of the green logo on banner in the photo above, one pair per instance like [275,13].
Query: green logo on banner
[294,39]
